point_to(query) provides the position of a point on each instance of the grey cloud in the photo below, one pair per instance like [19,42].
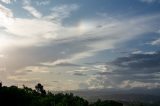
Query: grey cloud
[136,70]
[21,57]
[79,74]
[92,42]
[95,41]
[55,81]
[24,72]
[18,58]
[68,65]
[141,67]
[156,42]
[140,63]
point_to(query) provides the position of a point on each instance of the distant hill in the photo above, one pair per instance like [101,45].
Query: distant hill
[125,97]
[138,95]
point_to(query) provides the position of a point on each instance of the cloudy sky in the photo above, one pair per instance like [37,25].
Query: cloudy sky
[80,44]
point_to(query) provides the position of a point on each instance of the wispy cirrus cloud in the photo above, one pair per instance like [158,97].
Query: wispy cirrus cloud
[33,11]
[42,2]
[87,44]
[34,30]
[40,45]
[62,11]
[8,1]
[150,1]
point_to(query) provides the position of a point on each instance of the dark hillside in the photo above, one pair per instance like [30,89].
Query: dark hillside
[14,96]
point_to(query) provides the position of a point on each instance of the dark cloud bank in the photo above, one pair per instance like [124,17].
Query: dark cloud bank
[136,71]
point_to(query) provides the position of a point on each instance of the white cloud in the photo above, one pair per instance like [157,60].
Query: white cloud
[20,78]
[96,35]
[137,84]
[137,52]
[96,82]
[33,11]
[143,52]
[6,16]
[42,2]
[57,62]
[155,42]
[62,11]
[110,34]
[33,31]
[8,1]
[102,68]
[150,1]
[37,69]
[40,31]
[103,82]
[31,27]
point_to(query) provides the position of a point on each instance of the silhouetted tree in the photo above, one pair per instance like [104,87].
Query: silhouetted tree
[0,84]
[141,104]
[39,89]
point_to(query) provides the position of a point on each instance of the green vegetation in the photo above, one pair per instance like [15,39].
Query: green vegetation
[14,96]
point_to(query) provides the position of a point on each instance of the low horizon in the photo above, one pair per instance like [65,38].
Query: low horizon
[69,45]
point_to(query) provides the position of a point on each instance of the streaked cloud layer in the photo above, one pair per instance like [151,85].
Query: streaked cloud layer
[73,45]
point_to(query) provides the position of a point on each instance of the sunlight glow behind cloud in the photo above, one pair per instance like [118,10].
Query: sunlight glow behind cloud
[71,42]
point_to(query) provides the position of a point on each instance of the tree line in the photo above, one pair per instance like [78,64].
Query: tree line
[14,96]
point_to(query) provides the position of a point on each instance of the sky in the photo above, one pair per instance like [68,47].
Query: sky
[80,44]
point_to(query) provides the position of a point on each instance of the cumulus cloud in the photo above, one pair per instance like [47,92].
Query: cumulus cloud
[137,84]
[134,71]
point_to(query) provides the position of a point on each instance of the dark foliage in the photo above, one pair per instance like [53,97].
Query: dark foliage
[106,103]
[39,89]
[14,96]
